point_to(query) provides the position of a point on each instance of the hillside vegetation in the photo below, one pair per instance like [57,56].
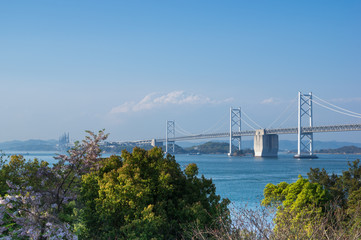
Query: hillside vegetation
[215,148]
[342,150]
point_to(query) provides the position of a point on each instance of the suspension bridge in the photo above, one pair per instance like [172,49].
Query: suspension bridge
[266,140]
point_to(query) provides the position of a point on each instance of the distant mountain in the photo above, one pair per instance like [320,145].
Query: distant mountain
[334,144]
[29,145]
[288,145]
[215,148]
[245,144]
[210,148]
[342,150]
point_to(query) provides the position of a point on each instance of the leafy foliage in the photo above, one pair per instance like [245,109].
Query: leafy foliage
[144,195]
[306,203]
[19,172]
[297,200]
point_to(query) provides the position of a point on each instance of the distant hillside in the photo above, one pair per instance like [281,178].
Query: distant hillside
[291,145]
[29,145]
[342,150]
[213,148]
[209,147]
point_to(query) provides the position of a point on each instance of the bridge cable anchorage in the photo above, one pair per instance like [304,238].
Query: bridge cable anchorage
[337,106]
[334,110]
[251,119]
[293,101]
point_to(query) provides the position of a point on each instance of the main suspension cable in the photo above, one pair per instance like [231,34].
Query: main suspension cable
[289,116]
[333,105]
[183,131]
[284,111]
[251,120]
[248,124]
[215,125]
[348,114]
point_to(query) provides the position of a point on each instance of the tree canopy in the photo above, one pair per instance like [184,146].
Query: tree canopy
[144,195]
[304,205]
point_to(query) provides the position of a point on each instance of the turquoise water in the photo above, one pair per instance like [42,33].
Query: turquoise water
[242,179]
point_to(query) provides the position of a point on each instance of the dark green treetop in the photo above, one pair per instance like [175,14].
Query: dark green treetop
[146,195]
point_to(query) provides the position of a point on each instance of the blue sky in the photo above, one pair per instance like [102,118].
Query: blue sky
[128,66]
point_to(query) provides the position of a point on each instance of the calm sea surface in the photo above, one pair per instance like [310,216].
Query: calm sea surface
[242,179]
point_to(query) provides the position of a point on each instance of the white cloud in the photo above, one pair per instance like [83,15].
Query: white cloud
[270,101]
[155,100]
[125,107]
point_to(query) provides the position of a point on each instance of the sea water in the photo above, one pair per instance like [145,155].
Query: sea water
[242,179]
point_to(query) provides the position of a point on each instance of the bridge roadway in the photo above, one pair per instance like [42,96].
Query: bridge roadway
[319,129]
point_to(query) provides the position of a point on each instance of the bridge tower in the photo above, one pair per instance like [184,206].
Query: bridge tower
[170,133]
[234,126]
[305,140]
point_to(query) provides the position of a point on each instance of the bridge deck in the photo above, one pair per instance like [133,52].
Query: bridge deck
[319,129]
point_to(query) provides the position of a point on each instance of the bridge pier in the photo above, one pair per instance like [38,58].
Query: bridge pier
[156,143]
[265,145]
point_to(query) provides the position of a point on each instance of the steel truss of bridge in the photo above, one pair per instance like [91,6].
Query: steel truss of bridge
[319,129]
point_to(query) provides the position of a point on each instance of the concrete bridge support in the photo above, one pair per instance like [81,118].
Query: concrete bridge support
[156,143]
[265,145]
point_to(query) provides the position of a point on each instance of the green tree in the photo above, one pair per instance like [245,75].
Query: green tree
[144,195]
[322,198]
[331,182]
[19,171]
[342,188]
[299,205]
